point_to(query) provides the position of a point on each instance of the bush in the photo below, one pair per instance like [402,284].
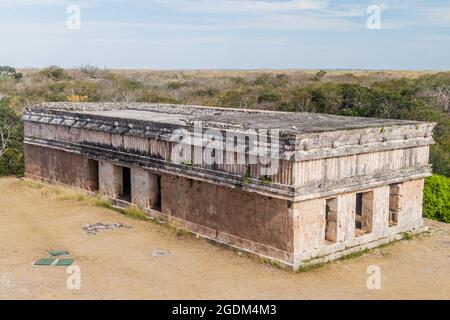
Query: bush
[319,75]
[236,99]
[210,92]
[7,71]
[152,97]
[175,85]
[436,202]
[269,97]
[54,73]
[11,141]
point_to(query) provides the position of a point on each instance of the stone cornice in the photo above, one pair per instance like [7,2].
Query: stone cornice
[307,192]
[331,188]
[297,147]
[167,167]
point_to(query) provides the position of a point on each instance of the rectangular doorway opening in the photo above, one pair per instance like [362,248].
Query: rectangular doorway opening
[126,184]
[331,220]
[363,213]
[158,202]
[94,182]
[358,212]
[394,204]
[155,191]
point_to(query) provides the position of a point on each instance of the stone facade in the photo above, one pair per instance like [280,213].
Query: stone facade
[342,184]
[245,217]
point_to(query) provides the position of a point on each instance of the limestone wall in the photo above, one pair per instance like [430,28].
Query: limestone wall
[310,177]
[411,200]
[310,220]
[59,166]
[158,149]
[230,212]
[145,188]
[291,232]
[110,178]
[366,164]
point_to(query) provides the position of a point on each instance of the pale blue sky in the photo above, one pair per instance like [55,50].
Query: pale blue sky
[232,34]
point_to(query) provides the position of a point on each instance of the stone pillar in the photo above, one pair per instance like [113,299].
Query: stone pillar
[410,215]
[367,211]
[309,226]
[110,179]
[331,216]
[346,217]
[145,188]
[395,203]
[380,219]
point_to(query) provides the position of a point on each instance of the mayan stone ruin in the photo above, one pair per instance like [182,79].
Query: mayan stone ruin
[329,186]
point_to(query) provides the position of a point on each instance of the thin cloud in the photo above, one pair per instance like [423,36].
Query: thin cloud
[33,3]
[438,16]
[305,22]
[240,6]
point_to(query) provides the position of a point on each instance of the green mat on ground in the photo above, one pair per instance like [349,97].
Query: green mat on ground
[64,262]
[58,253]
[44,262]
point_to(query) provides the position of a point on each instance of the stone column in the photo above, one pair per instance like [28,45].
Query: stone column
[331,216]
[110,179]
[410,215]
[381,211]
[309,227]
[368,211]
[346,217]
[145,188]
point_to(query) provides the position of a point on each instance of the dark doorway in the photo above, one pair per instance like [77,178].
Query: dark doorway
[154,189]
[394,204]
[94,183]
[158,199]
[358,211]
[331,220]
[364,213]
[126,184]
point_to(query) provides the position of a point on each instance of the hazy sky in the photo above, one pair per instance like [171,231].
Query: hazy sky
[236,34]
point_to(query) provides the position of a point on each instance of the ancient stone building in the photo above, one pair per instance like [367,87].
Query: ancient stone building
[326,187]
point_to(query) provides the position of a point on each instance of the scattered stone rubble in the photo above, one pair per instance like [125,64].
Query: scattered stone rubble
[93,229]
[161,253]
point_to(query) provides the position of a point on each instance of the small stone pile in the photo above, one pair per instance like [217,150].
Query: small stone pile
[93,229]
[161,253]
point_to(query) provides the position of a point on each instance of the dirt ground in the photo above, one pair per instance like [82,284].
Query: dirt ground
[119,264]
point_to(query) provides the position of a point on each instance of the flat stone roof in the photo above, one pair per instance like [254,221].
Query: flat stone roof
[224,118]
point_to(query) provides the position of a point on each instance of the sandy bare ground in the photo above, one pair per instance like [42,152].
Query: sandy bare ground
[118,264]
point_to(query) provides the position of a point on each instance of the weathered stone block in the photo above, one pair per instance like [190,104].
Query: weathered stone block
[110,177]
[145,191]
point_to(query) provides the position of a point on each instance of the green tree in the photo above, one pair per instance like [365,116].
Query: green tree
[11,140]
[319,75]
[7,71]
[436,201]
